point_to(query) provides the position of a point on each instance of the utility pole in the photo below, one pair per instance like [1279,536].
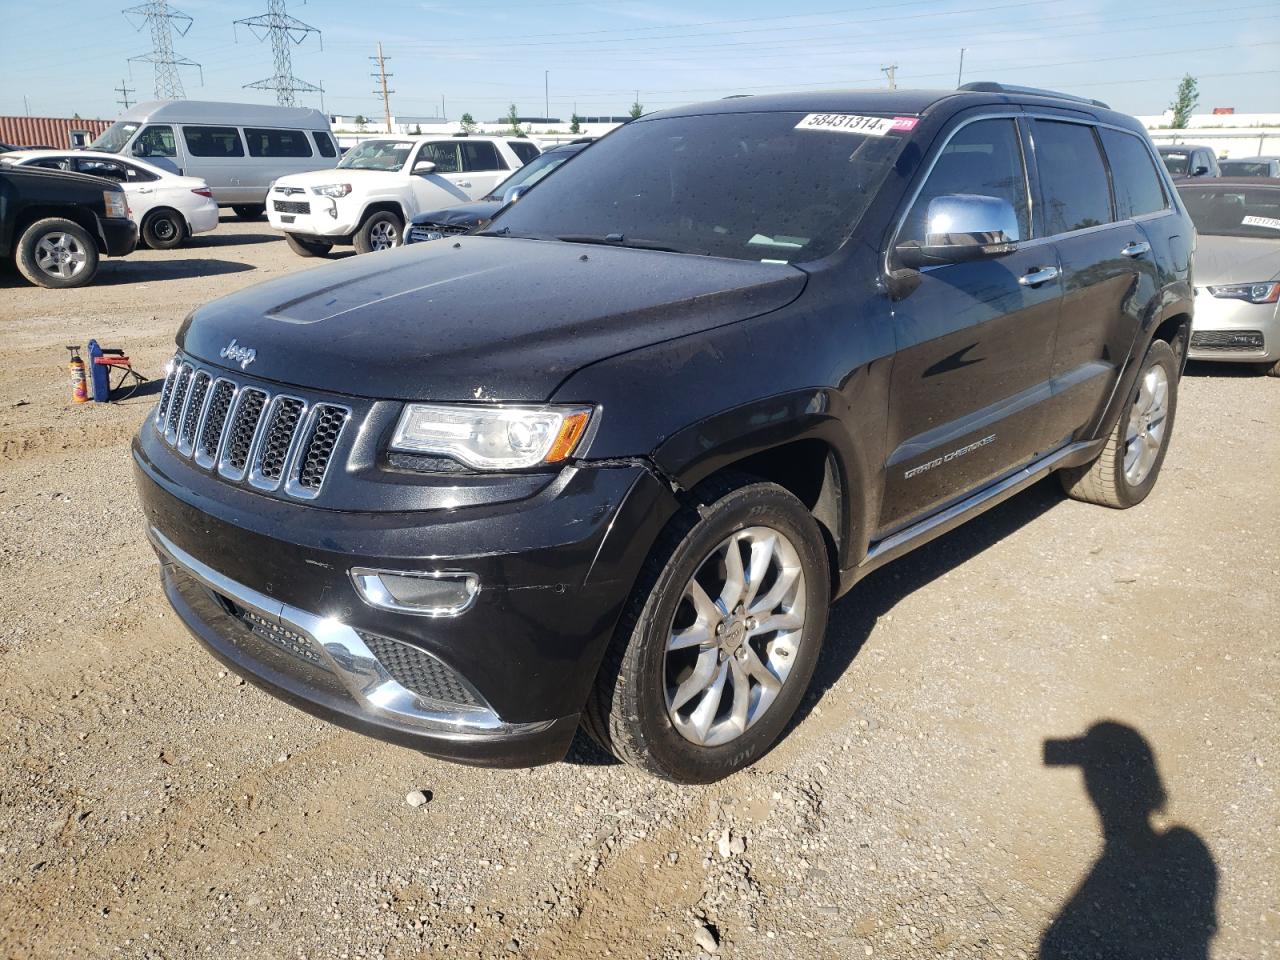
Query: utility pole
[443,115]
[381,76]
[960,73]
[283,31]
[891,71]
[162,23]
[26,105]
[546,94]
[124,92]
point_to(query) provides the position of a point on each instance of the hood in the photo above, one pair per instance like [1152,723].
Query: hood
[314,178]
[1236,260]
[464,214]
[490,318]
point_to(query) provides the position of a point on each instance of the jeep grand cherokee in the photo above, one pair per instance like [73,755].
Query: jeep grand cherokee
[609,461]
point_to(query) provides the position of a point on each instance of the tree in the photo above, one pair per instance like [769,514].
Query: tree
[1184,103]
[417,129]
[513,118]
[468,123]
[575,124]
[361,122]
[637,110]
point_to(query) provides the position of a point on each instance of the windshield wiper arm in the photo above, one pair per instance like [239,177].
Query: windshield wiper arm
[617,240]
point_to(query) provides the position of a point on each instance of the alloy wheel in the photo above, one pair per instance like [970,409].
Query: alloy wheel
[1144,433]
[60,255]
[735,636]
[383,236]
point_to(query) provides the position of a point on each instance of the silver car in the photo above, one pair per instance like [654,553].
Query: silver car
[1237,270]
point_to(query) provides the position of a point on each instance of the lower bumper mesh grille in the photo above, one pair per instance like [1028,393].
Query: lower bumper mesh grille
[1244,341]
[419,671]
[287,640]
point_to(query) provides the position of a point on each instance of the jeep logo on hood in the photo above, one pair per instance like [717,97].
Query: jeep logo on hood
[238,354]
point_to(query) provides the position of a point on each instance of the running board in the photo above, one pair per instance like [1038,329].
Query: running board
[892,547]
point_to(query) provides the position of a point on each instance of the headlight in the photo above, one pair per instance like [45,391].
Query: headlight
[1267,291]
[332,189]
[492,438]
[113,201]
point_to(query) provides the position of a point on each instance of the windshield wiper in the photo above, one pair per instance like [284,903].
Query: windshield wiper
[508,232]
[618,240]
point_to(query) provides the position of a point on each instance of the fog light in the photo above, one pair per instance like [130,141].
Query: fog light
[421,593]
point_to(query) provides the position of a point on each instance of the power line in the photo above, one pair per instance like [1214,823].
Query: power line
[283,30]
[162,22]
[381,76]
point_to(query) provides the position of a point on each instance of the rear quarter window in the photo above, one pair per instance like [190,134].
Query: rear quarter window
[1133,175]
[481,155]
[523,149]
[213,141]
[1073,181]
[265,142]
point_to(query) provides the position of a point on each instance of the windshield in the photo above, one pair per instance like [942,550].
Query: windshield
[1245,168]
[1176,163]
[531,172]
[376,155]
[113,139]
[1234,211]
[751,186]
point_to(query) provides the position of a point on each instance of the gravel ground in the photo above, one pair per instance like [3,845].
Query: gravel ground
[151,805]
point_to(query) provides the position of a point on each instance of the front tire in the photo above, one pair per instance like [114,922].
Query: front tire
[307,248]
[57,253]
[1272,369]
[382,230]
[719,640]
[164,229]
[1125,471]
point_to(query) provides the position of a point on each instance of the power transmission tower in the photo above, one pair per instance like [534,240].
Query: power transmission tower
[283,31]
[124,92]
[381,76]
[163,22]
[892,72]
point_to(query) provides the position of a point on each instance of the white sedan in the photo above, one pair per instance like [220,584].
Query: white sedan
[168,208]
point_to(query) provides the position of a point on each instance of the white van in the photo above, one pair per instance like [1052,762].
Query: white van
[237,148]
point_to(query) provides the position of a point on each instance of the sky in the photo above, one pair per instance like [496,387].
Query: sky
[596,56]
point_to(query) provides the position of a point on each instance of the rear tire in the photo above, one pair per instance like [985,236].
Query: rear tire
[1273,370]
[1125,471]
[382,230]
[307,248]
[656,704]
[164,229]
[248,211]
[57,253]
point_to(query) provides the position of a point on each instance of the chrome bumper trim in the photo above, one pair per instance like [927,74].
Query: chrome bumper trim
[364,677]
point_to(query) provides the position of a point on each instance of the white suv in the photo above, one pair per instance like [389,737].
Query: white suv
[379,185]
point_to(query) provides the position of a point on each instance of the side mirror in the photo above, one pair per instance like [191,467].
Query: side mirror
[1200,171]
[963,227]
[423,167]
[515,193]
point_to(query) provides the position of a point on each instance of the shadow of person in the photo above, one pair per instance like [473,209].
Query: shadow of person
[1151,895]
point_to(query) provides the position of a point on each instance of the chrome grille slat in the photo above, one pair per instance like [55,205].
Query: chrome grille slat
[246,433]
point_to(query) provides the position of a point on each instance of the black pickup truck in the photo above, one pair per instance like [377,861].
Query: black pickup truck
[55,225]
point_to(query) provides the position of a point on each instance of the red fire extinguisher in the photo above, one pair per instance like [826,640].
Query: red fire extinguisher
[79,385]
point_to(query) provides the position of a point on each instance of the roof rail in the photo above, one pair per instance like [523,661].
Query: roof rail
[990,86]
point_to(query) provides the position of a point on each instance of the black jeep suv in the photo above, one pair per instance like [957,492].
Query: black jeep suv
[609,461]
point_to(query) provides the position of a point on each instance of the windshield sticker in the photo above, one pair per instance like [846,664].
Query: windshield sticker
[1271,223]
[853,123]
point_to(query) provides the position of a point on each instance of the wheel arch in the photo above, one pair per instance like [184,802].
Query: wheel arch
[78,215]
[383,206]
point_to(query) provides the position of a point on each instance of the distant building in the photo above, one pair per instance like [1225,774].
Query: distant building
[1232,135]
[56,132]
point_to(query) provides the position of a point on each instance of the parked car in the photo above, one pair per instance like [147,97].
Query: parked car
[1251,167]
[55,226]
[609,460]
[6,147]
[379,185]
[1237,270]
[464,217]
[237,148]
[1184,160]
[168,208]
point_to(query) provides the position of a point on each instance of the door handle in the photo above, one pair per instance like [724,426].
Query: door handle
[1038,276]
[1136,249]
[464,183]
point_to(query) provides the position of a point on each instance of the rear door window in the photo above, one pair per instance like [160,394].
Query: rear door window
[983,158]
[156,140]
[213,141]
[324,143]
[1073,180]
[481,155]
[265,142]
[523,149]
[444,155]
[111,169]
[1133,175]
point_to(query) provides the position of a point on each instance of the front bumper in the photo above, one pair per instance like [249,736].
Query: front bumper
[119,236]
[1234,330]
[317,220]
[554,568]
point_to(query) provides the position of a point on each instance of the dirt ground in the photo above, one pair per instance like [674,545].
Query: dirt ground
[153,806]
